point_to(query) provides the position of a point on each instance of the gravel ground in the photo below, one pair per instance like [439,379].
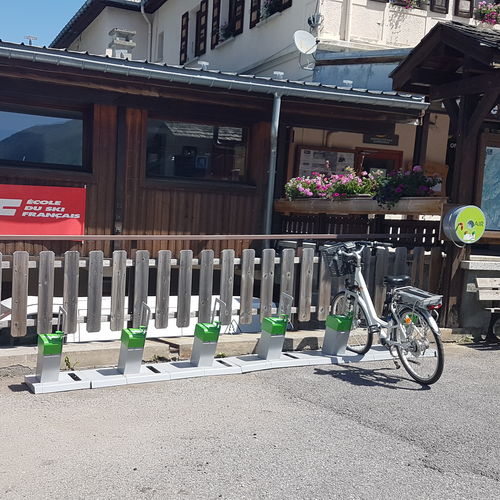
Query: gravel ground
[357,431]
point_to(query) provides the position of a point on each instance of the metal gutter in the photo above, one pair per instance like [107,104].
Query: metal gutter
[229,81]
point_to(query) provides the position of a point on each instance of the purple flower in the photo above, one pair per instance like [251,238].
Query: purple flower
[399,189]
[417,168]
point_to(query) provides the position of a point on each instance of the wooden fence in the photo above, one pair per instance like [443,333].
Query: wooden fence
[185,288]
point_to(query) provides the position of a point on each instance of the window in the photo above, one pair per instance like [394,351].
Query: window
[261,9]
[440,6]
[159,47]
[227,20]
[464,8]
[34,138]
[190,150]
[491,191]
[201,29]
[183,57]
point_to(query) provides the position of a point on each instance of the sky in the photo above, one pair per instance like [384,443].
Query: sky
[41,18]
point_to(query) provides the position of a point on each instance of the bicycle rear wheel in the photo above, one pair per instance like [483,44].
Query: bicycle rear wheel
[360,339]
[423,359]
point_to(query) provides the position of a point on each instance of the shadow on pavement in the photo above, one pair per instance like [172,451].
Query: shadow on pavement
[18,388]
[369,377]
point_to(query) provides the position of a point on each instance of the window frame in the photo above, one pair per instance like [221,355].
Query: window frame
[256,7]
[84,114]
[440,9]
[462,13]
[184,180]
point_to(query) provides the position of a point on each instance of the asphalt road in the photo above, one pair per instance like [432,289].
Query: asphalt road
[357,431]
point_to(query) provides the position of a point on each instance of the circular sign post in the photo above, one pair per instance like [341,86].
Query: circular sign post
[465,224]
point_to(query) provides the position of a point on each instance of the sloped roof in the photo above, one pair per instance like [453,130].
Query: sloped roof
[440,57]
[85,15]
[210,78]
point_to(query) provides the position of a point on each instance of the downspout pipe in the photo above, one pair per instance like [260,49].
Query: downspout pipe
[275,122]
[348,21]
[150,31]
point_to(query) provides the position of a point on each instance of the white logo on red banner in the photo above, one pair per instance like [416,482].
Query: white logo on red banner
[33,210]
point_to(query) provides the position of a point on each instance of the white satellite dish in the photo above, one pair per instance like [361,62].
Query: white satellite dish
[305,42]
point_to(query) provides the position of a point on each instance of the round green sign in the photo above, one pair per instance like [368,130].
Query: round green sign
[465,224]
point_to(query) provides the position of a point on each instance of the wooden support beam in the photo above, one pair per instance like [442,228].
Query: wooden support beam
[452,109]
[466,86]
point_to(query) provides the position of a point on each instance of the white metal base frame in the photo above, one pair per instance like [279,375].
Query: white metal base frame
[158,372]
[65,383]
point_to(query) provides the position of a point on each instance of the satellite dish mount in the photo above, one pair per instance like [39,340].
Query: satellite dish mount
[306,44]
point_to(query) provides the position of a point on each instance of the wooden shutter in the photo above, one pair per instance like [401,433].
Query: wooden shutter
[254,12]
[239,13]
[440,6]
[286,4]
[184,38]
[215,23]
[201,29]
[464,8]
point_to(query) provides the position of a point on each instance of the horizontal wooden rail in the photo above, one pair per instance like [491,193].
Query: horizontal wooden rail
[203,237]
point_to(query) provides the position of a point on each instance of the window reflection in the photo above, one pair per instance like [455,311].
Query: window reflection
[177,149]
[39,139]
[491,188]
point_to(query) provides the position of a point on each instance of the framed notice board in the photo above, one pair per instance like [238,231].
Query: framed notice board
[323,160]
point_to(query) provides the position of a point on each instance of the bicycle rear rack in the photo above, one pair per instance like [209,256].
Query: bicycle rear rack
[416,297]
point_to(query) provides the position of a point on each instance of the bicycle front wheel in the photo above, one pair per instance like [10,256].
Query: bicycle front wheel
[360,339]
[423,354]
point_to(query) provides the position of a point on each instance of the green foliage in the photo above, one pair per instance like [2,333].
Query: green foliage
[398,184]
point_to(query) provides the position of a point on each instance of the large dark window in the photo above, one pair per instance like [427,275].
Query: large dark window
[38,139]
[190,150]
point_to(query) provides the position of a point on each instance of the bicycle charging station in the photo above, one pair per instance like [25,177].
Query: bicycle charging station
[131,370]
[48,377]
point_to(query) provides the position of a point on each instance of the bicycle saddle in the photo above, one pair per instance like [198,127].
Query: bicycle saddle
[397,280]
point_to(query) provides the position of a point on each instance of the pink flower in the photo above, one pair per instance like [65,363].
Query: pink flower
[336,194]
[417,168]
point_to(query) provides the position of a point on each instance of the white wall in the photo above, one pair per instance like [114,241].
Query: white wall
[376,25]
[95,38]
[251,51]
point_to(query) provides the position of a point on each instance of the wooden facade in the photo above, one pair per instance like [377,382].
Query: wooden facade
[121,199]
[458,66]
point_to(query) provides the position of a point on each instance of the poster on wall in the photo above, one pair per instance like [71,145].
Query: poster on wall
[324,161]
[41,210]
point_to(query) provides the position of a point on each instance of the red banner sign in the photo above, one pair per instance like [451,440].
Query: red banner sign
[41,210]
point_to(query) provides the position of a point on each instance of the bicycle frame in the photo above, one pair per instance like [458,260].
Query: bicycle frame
[362,296]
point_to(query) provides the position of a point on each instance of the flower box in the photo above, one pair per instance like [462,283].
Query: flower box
[418,205]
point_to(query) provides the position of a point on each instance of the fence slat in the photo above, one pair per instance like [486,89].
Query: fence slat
[325,290]
[367,268]
[435,269]
[380,271]
[118,287]
[95,291]
[400,261]
[206,285]
[185,286]
[287,274]
[306,279]
[247,282]
[267,283]
[45,292]
[70,290]
[163,288]
[20,268]
[226,286]
[140,285]
[417,268]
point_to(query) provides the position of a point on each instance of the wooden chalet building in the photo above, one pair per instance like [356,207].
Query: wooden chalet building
[164,149]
